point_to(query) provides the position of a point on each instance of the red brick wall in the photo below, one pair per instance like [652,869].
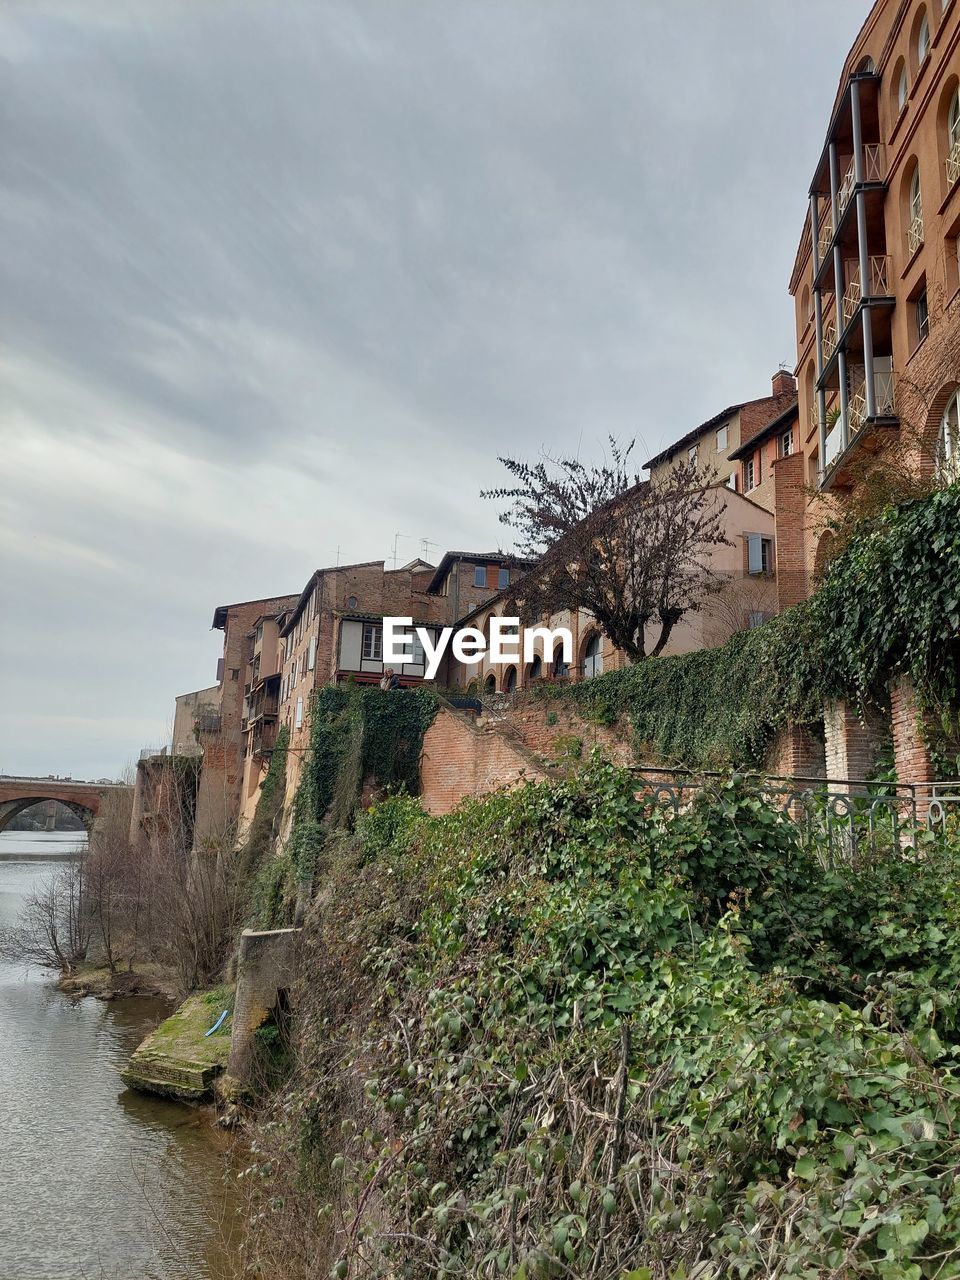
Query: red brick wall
[528,721]
[790,510]
[460,760]
[909,749]
[795,753]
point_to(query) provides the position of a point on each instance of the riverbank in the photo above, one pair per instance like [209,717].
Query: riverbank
[98,981]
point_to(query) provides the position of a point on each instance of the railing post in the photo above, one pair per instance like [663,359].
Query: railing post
[857,132]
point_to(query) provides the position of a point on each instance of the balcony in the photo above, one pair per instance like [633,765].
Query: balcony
[883,385]
[878,285]
[874,170]
[915,234]
[825,239]
[836,458]
[953,165]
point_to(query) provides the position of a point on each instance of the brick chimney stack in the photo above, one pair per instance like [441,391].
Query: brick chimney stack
[784,383]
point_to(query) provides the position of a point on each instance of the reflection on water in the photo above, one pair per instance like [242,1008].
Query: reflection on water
[96,1182]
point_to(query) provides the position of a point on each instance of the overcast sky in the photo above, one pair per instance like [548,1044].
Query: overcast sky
[279,280]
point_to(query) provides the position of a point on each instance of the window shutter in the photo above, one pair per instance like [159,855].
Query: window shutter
[312,654]
[754,553]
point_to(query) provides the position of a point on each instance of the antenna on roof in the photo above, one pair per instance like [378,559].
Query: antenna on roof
[396,539]
[425,543]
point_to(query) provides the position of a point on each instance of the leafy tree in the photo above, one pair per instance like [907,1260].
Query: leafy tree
[634,553]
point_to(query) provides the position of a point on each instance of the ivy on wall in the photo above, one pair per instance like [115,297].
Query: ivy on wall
[888,605]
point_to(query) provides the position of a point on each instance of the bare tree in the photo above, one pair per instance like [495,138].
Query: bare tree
[636,554]
[53,929]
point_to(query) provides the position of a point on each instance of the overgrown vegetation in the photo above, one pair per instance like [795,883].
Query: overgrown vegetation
[560,1033]
[889,605]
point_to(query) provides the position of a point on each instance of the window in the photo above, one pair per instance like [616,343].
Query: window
[759,554]
[536,668]
[312,653]
[953,140]
[692,455]
[914,213]
[503,580]
[786,443]
[922,312]
[949,460]
[755,619]
[510,681]
[903,88]
[923,39]
[592,657]
[561,669]
[722,438]
[749,474]
[373,641]
[234,673]
[732,481]
[479,575]
[351,602]
[298,716]
[419,658]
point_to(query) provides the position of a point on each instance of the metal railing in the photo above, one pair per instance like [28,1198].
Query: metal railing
[825,238]
[874,170]
[915,234]
[840,820]
[878,284]
[953,164]
[884,388]
[831,335]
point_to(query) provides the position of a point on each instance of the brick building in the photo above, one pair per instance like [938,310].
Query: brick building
[876,282]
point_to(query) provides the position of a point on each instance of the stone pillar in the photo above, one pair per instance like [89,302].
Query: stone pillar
[795,753]
[790,509]
[851,743]
[910,751]
[266,966]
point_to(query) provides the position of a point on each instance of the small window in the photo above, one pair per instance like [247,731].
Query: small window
[732,481]
[692,455]
[536,668]
[312,653]
[903,88]
[503,580]
[479,575]
[786,443]
[298,717]
[949,460]
[419,658]
[915,213]
[351,602]
[755,619]
[923,39]
[373,642]
[722,438]
[749,474]
[759,554]
[922,311]
[510,683]
[234,673]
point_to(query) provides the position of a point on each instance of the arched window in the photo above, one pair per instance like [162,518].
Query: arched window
[953,127]
[923,39]
[593,657]
[866,67]
[510,680]
[561,669]
[536,668]
[902,85]
[806,310]
[490,684]
[914,212]
[949,459]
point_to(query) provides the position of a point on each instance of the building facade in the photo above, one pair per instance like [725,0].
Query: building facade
[876,282]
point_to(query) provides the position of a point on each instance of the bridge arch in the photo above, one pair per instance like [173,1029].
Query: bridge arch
[82,798]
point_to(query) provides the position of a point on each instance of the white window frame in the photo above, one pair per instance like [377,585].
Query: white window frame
[371,645]
[312,654]
[479,575]
[759,554]
[948,462]
[922,311]
[903,88]
[723,438]
[692,454]
[953,120]
[786,443]
[923,40]
[298,714]
[750,481]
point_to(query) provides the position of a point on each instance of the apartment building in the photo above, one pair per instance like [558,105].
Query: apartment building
[467,579]
[876,282]
[712,445]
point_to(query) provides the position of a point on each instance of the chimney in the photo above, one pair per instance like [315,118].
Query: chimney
[784,383]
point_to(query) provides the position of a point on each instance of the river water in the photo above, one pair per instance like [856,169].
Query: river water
[96,1182]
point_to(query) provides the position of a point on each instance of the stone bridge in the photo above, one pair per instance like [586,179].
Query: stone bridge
[83,798]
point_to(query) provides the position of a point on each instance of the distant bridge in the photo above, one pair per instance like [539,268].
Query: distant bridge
[82,798]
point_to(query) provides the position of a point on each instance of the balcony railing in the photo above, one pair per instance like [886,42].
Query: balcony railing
[915,234]
[874,170]
[883,384]
[826,238]
[878,285]
[953,165]
[831,336]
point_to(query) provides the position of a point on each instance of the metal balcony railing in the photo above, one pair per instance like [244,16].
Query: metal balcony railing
[883,383]
[825,239]
[953,164]
[878,285]
[830,337]
[915,234]
[874,170]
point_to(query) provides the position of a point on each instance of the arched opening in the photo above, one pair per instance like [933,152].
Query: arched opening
[901,87]
[919,40]
[490,684]
[593,656]
[509,682]
[536,668]
[35,826]
[948,441]
[806,307]
[911,207]
[948,134]
[472,689]
[561,669]
[865,66]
